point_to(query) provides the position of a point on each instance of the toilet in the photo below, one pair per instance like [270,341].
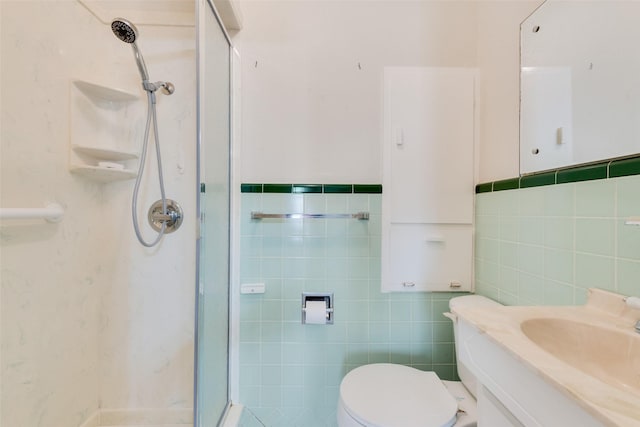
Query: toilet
[391,395]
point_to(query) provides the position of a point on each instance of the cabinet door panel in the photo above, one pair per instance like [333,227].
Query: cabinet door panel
[430,127]
[429,257]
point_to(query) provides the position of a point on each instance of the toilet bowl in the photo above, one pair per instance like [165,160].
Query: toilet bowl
[391,395]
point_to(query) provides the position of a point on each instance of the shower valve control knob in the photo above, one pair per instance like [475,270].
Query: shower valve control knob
[172,219]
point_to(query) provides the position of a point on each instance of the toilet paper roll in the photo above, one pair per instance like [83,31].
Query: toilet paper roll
[316,312]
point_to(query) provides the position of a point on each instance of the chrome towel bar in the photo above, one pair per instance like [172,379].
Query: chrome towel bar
[259,215]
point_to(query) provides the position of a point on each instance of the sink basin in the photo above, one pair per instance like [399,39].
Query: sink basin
[609,355]
[558,366]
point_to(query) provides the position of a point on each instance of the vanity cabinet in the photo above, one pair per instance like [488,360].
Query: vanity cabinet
[428,179]
[491,412]
[511,393]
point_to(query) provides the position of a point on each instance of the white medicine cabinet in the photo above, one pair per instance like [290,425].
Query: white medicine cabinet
[580,83]
[428,156]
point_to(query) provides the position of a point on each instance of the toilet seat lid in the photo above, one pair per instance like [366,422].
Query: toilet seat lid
[388,395]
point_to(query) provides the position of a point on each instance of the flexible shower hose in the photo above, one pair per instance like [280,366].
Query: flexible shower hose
[151,116]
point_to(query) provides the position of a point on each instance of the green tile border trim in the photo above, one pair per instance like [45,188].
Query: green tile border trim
[487,187]
[277,188]
[624,167]
[506,184]
[367,188]
[538,180]
[307,188]
[585,173]
[312,188]
[251,188]
[338,188]
[611,168]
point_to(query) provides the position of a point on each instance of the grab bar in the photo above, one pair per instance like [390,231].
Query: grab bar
[53,212]
[360,215]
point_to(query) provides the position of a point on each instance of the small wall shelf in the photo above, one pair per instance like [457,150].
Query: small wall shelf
[111,119]
[97,173]
[98,92]
[89,167]
[104,154]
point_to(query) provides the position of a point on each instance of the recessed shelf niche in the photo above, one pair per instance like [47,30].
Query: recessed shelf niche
[105,125]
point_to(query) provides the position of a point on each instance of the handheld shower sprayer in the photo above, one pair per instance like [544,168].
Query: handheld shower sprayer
[165,215]
[128,33]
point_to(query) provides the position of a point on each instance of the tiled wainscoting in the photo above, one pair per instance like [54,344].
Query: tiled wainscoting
[290,372]
[542,239]
[546,238]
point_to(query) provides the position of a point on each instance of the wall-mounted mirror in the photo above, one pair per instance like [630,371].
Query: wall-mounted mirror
[580,83]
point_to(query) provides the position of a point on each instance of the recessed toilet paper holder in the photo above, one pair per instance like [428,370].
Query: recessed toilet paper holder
[327,298]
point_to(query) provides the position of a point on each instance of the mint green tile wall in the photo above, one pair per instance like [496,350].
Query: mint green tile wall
[547,245]
[289,372]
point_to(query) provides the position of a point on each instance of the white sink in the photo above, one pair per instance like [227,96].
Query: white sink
[611,355]
[558,366]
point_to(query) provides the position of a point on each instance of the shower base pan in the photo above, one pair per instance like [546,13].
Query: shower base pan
[140,418]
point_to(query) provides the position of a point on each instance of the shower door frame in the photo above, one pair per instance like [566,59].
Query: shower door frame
[207,7]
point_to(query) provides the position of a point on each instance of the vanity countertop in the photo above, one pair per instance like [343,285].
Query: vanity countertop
[613,404]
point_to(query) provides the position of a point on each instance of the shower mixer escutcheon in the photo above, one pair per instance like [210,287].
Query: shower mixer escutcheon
[172,218]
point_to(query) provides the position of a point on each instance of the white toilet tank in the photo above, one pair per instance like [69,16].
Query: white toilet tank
[466,377]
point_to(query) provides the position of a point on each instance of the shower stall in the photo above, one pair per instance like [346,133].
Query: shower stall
[214,273]
[95,328]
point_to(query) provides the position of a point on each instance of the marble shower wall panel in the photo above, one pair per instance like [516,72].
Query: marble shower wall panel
[146,327]
[89,318]
[52,274]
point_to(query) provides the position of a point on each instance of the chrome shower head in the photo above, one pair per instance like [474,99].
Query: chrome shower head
[128,33]
[124,30]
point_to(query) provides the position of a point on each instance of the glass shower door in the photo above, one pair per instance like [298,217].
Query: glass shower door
[212,318]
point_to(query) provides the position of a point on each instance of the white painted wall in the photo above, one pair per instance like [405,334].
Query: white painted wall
[89,318]
[311,114]
[312,80]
